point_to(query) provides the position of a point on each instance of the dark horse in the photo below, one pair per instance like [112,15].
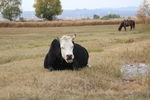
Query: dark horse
[127,23]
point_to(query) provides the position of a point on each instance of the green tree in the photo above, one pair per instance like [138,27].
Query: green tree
[47,9]
[111,16]
[95,16]
[10,9]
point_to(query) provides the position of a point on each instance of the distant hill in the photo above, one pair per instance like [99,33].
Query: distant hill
[88,13]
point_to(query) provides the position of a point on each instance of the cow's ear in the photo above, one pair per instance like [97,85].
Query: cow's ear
[73,37]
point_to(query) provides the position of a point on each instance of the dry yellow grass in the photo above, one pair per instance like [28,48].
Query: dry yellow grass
[23,77]
[60,23]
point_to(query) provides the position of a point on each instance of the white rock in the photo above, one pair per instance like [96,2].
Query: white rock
[131,71]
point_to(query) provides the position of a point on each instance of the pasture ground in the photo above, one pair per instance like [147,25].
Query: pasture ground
[22,76]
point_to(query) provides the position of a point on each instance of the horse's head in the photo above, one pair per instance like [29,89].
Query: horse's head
[121,25]
[119,29]
[67,45]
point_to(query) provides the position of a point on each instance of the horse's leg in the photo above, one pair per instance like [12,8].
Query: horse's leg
[130,27]
[124,28]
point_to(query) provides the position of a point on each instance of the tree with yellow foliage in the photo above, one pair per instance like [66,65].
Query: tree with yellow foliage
[144,12]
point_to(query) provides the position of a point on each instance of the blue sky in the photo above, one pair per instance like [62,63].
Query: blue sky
[27,5]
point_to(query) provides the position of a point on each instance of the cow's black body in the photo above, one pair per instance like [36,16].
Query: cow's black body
[54,60]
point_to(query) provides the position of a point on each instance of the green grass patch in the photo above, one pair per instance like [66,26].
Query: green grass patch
[128,40]
[8,59]
[95,49]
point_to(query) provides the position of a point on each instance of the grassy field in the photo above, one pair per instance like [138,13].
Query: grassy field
[23,77]
[61,23]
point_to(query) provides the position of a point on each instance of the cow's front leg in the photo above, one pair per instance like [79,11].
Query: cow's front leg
[50,68]
[75,65]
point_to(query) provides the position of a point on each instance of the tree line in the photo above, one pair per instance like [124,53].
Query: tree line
[49,9]
[109,16]
[46,9]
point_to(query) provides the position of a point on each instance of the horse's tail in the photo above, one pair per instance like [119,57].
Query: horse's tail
[120,27]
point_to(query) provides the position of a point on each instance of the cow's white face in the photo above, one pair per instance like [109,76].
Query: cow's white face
[66,45]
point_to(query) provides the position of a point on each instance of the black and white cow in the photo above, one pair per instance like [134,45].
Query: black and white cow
[65,54]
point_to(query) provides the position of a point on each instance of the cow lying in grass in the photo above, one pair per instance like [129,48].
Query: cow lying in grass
[65,54]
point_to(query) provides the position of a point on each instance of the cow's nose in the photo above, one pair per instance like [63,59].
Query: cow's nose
[69,57]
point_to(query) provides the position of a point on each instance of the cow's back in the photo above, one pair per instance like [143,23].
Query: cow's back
[81,55]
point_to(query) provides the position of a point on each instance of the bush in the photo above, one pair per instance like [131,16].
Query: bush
[96,16]
[110,16]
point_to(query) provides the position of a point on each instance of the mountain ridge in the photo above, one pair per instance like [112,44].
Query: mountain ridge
[88,13]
